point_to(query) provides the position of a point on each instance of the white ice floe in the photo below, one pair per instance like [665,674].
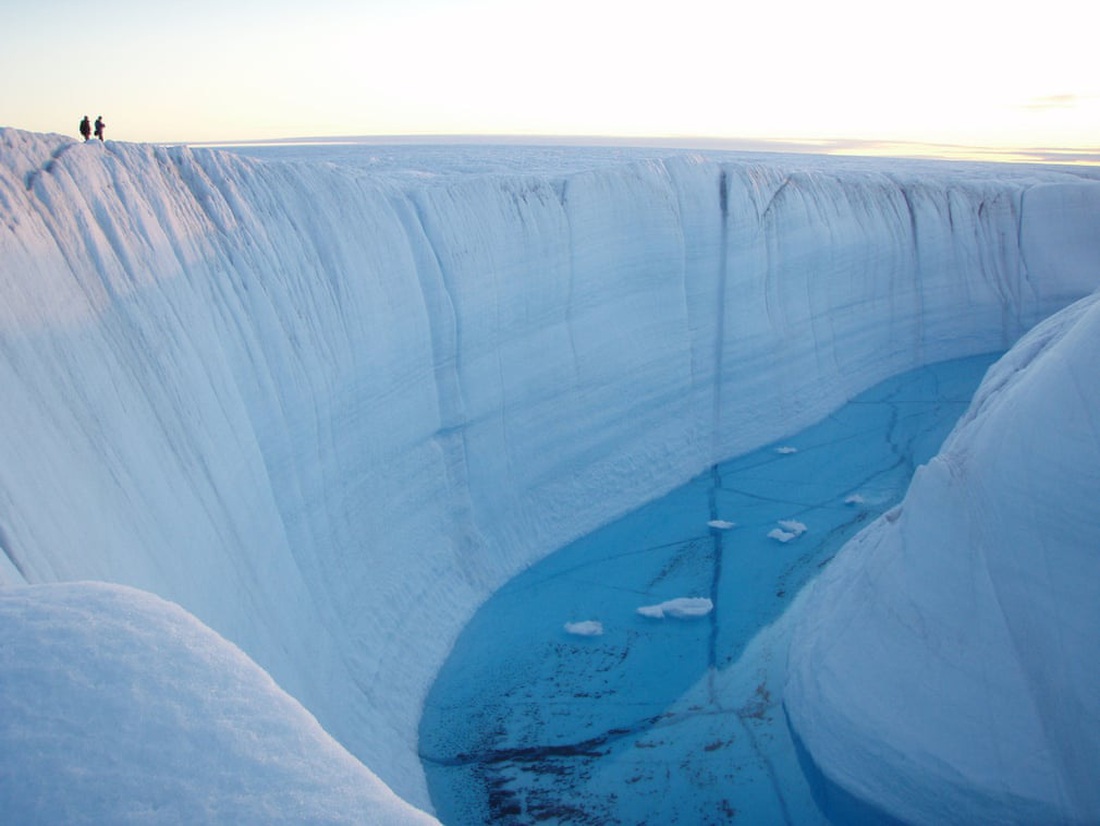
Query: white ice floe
[680,608]
[587,628]
[721,524]
[786,450]
[788,529]
[793,526]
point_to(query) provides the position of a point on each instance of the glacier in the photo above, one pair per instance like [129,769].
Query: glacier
[328,410]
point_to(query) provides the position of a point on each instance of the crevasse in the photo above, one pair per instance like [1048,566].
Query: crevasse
[328,414]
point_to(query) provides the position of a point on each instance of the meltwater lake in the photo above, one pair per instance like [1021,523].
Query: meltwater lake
[636,675]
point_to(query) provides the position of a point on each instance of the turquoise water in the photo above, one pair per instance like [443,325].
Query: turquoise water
[673,720]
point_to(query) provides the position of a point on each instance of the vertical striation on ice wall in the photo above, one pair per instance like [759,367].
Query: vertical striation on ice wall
[328,414]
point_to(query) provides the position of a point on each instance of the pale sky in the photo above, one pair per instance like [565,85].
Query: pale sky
[967,72]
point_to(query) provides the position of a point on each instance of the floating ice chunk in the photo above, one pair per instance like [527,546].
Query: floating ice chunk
[721,524]
[688,607]
[792,526]
[788,529]
[680,608]
[786,450]
[854,499]
[587,628]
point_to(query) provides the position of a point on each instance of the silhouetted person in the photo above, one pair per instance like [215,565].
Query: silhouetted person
[86,128]
[99,126]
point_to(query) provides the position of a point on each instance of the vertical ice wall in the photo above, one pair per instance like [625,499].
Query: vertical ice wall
[328,416]
[943,668]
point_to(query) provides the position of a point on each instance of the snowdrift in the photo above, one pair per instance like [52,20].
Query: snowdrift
[328,414]
[122,708]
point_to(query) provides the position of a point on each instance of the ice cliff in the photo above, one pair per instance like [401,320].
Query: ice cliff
[943,667]
[328,413]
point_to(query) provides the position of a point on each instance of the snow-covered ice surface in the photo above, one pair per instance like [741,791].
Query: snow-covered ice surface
[118,707]
[673,721]
[329,408]
[944,668]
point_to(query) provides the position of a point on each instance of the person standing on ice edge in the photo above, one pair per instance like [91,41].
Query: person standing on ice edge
[85,128]
[99,126]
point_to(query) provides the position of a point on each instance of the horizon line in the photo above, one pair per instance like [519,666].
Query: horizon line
[821,146]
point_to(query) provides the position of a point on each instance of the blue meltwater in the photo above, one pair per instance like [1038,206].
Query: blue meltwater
[636,675]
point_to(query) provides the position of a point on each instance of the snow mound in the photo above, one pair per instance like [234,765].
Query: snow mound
[587,628]
[721,524]
[943,668]
[680,608]
[786,450]
[164,721]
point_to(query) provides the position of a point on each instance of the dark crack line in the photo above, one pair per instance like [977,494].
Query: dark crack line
[531,754]
[716,573]
[609,558]
[769,767]
[830,504]
[590,747]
